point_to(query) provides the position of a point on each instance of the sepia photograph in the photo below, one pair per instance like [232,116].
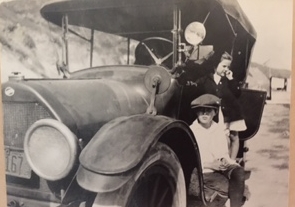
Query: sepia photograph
[145,103]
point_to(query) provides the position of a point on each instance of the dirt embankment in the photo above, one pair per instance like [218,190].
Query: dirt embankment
[22,36]
[33,46]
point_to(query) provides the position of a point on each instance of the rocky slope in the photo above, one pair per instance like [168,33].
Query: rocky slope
[32,46]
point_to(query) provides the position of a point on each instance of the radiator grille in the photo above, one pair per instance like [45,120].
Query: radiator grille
[18,117]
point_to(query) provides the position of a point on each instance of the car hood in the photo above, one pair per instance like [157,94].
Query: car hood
[85,104]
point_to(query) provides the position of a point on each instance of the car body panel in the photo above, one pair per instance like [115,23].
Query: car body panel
[252,104]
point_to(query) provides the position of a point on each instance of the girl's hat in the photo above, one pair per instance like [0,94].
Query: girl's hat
[207,101]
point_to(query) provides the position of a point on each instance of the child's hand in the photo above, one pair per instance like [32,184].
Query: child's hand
[217,165]
[224,163]
[227,162]
[228,74]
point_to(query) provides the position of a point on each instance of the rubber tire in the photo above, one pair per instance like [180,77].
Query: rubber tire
[160,164]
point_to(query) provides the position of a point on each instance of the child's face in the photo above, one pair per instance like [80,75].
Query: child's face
[222,67]
[205,115]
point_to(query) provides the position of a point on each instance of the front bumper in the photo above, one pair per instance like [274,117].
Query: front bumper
[13,201]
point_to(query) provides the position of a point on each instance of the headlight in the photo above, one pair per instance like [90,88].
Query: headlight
[50,148]
[195,33]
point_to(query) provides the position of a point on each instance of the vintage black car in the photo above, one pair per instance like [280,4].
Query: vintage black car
[119,135]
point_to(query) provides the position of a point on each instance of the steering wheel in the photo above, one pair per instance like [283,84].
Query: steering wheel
[154,51]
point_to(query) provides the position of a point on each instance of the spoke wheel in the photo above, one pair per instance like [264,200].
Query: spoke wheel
[155,188]
[159,182]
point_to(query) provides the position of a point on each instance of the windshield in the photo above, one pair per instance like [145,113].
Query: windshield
[108,49]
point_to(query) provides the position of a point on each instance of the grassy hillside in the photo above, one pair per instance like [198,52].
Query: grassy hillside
[21,33]
[32,45]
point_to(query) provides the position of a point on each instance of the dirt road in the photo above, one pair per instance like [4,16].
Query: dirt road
[268,159]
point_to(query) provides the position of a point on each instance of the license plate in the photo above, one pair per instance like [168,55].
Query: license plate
[16,163]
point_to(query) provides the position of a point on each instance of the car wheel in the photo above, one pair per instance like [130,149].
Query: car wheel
[159,182]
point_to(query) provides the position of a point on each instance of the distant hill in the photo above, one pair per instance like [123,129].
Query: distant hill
[21,31]
[272,72]
[32,46]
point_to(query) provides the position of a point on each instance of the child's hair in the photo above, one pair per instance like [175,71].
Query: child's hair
[226,56]
[218,57]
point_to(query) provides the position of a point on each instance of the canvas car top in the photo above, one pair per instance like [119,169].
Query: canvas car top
[125,20]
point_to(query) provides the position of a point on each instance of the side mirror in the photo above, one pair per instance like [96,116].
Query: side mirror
[195,33]
[157,80]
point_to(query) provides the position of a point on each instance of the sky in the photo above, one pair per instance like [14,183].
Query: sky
[272,20]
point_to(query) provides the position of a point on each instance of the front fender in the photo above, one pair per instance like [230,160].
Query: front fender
[121,144]
[110,158]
